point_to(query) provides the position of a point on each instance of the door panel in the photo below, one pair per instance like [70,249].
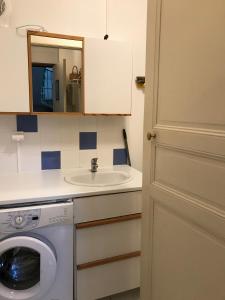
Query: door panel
[184,172]
[203,141]
[201,177]
[196,259]
[192,53]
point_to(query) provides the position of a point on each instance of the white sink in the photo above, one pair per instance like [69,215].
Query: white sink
[100,178]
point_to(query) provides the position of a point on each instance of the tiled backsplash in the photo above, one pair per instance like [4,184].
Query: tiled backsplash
[53,142]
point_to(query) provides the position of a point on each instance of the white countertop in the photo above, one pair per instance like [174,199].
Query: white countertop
[49,185]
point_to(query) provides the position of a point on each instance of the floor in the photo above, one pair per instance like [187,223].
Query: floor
[131,295]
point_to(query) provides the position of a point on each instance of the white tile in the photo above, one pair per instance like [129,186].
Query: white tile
[58,133]
[105,156]
[69,134]
[8,163]
[69,138]
[50,141]
[8,123]
[30,163]
[110,131]
[49,130]
[6,143]
[87,124]
[69,123]
[48,121]
[31,144]
[69,158]
[85,157]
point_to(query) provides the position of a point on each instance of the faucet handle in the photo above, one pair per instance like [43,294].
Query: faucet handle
[94,165]
[94,160]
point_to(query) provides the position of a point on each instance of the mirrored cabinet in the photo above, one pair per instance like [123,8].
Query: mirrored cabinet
[48,73]
[55,72]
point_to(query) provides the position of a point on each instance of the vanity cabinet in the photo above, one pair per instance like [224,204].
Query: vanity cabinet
[108,242]
[107,77]
[13,72]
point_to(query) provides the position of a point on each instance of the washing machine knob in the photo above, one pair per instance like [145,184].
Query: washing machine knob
[19,220]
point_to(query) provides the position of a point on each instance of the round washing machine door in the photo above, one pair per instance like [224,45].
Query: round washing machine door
[27,268]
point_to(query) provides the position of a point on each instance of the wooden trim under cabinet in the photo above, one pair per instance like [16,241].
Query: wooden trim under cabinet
[55,35]
[107,114]
[108,221]
[14,113]
[108,260]
[58,113]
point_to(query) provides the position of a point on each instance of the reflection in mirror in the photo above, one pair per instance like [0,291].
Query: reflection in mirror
[56,64]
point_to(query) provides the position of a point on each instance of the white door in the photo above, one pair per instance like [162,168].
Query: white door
[27,268]
[184,170]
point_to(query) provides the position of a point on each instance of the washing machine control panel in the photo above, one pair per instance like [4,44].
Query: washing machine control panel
[24,220]
[27,218]
[21,219]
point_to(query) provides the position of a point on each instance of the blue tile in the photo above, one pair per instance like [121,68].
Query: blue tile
[88,140]
[50,160]
[27,123]
[119,157]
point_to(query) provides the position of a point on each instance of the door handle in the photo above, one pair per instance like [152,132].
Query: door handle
[151,135]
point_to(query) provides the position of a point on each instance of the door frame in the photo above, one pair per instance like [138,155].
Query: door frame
[150,121]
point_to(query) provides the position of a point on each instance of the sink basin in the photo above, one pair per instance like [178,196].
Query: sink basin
[100,178]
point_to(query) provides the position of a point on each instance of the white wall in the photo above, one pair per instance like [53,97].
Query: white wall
[127,21]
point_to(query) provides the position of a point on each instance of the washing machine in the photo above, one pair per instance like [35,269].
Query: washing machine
[36,251]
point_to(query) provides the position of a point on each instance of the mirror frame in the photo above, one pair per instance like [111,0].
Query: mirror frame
[59,36]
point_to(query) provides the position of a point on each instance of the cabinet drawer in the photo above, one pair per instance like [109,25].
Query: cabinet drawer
[109,279]
[106,206]
[99,242]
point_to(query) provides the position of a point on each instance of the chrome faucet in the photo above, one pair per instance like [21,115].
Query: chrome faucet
[94,165]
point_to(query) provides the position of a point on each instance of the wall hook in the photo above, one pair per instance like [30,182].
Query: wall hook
[106,36]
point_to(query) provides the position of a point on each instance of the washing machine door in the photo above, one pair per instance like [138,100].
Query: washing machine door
[27,268]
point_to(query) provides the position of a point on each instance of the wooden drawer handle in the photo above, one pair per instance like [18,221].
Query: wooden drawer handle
[108,260]
[108,221]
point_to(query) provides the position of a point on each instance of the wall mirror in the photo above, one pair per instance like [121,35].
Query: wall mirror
[55,72]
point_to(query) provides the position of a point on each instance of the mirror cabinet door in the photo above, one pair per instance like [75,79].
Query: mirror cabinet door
[55,72]
[108,77]
[13,72]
